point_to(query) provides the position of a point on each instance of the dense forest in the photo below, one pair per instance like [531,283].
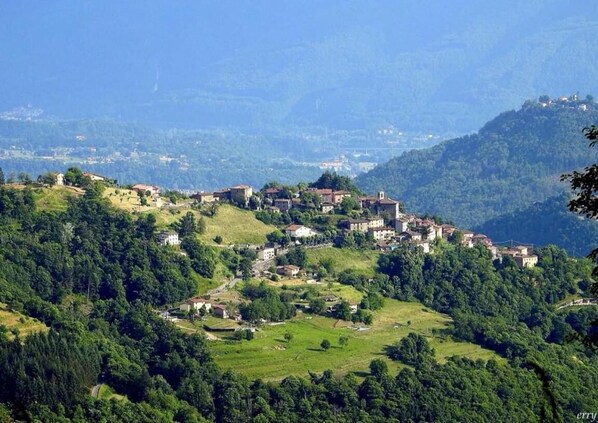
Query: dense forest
[92,275]
[514,161]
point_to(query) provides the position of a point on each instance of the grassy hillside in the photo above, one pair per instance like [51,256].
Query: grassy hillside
[343,259]
[14,320]
[235,226]
[269,356]
[512,162]
[54,198]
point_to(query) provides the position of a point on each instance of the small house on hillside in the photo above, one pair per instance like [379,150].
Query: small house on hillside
[325,194]
[410,236]
[289,270]
[204,197]
[423,245]
[266,253]
[222,195]
[298,231]
[284,204]
[219,310]
[195,304]
[375,222]
[382,233]
[59,177]
[526,261]
[241,194]
[272,192]
[94,176]
[168,238]
[153,190]
[360,225]
[327,208]
[339,196]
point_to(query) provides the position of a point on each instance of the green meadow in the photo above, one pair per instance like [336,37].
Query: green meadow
[342,259]
[25,325]
[269,356]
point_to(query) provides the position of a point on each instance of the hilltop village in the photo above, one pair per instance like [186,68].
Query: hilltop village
[329,213]
[377,218]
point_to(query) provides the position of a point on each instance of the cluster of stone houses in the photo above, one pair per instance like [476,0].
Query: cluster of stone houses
[239,194]
[329,199]
[422,232]
[388,226]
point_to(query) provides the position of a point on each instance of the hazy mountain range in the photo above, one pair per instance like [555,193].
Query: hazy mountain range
[413,64]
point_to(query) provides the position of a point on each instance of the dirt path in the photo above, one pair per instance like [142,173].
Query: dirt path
[210,336]
[95,391]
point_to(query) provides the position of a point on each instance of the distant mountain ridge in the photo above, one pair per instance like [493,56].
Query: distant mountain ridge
[431,65]
[514,161]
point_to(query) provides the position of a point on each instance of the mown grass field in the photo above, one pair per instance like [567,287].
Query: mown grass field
[107,393]
[235,226]
[343,259]
[24,324]
[270,357]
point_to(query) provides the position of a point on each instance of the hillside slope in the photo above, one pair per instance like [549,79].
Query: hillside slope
[548,222]
[514,161]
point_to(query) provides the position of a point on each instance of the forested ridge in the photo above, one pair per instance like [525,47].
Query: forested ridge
[514,161]
[543,223]
[92,274]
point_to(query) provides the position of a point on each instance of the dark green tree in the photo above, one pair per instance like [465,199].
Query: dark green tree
[317,305]
[412,349]
[187,225]
[343,341]
[585,188]
[47,179]
[378,368]
[73,176]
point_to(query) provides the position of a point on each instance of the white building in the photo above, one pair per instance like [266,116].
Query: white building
[59,178]
[168,238]
[299,231]
[267,253]
[195,304]
[382,233]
